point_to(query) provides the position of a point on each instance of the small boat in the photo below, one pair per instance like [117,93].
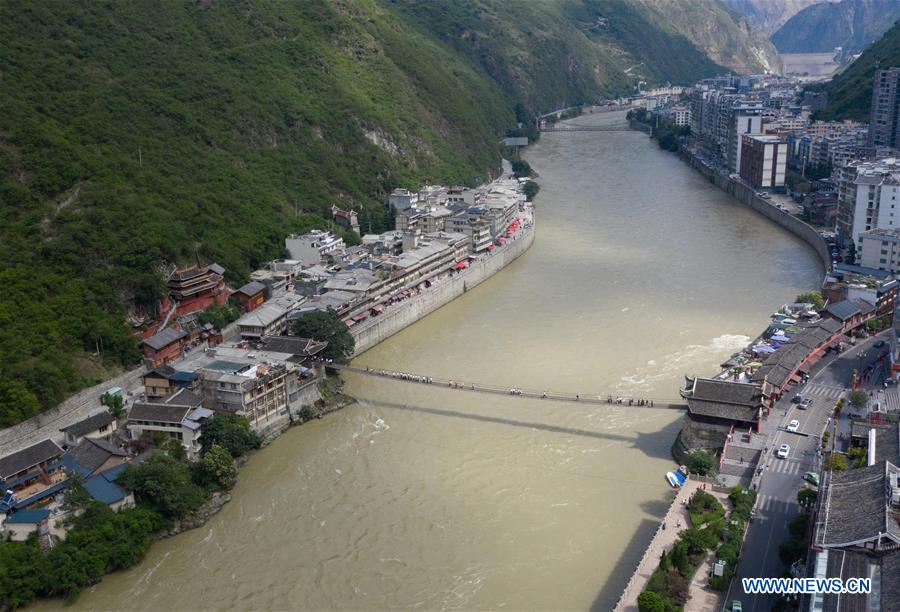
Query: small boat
[677,478]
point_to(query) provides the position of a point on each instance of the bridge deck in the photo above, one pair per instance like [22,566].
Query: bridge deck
[472,387]
[587,128]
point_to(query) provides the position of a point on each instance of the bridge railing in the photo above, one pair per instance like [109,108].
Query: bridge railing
[613,399]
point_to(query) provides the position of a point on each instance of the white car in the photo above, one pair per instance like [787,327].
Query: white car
[793,425]
[783,451]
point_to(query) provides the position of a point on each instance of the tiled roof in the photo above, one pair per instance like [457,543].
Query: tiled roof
[90,424]
[855,509]
[843,310]
[157,411]
[164,338]
[91,453]
[28,458]
[251,288]
[294,345]
[724,399]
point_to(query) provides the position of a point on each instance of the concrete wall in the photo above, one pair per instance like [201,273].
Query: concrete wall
[747,195]
[399,316]
[47,424]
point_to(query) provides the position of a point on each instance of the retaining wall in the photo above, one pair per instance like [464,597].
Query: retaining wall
[747,195]
[397,317]
[81,405]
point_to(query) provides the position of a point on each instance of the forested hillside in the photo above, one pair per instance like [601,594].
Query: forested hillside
[134,134]
[850,24]
[850,92]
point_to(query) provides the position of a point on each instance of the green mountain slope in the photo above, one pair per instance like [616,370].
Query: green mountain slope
[850,92]
[851,24]
[138,134]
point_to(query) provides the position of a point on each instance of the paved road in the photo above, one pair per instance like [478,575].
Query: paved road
[781,479]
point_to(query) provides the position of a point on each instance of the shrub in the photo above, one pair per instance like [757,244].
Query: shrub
[648,601]
[163,485]
[701,462]
[836,462]
[231,432]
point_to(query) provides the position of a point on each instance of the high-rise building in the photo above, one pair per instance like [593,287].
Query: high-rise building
[884,119]
[763,161]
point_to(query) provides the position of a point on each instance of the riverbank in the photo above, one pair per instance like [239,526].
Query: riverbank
[444,290]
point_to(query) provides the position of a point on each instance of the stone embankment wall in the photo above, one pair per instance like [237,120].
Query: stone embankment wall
[642,127]
[747,195]
[399,316]
[81,405]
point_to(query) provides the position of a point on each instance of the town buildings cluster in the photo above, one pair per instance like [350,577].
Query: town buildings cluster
[254,368]
[758,130]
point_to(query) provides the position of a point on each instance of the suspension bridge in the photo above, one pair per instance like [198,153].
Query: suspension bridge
[474,387]
[586,128]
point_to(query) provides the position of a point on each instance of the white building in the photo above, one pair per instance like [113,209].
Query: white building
[763,161]
[177,416]
[681,115]
[880,249]
[868,193]
[311,247]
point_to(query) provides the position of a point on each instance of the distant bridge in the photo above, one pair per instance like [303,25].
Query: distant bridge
[473,387]
[586,128]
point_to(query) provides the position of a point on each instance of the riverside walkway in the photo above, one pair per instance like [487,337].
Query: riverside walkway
[474,387]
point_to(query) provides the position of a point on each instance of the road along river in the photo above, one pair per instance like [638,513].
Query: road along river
[423,497]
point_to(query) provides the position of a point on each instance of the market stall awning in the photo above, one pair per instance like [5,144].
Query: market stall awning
[461,265]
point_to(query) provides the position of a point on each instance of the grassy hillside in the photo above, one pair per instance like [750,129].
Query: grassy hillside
[851,24]
[850,92]
[138,134]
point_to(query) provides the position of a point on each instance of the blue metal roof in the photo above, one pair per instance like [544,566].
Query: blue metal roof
[102,488]
[24,517]
[183,377]
[74,466]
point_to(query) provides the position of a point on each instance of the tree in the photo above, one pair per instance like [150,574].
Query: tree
[116,406]
[836,462]
[175,449]
[791,550]
[220,315]
[164,485]
[531,189]
[648,601]
[851,253]
[680,559]
[216,469]
[859,399]
[807,498]
[230,432]
[858,455]
[521,168]
[811,297]
[701,462]
[328,327]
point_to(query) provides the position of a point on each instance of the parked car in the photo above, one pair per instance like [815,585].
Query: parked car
[783,451]
[794,425]
[736,606]
[878,343]
[812,478]
[805,404]
[797,398]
